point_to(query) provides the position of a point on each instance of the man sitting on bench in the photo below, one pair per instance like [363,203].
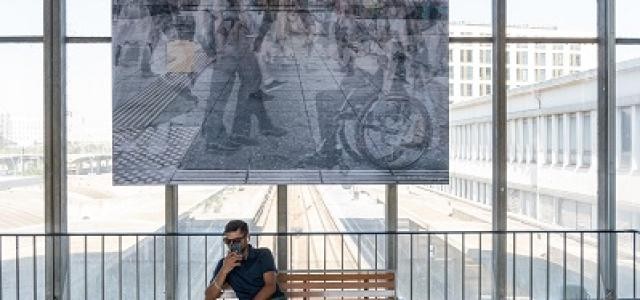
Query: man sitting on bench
[250,272]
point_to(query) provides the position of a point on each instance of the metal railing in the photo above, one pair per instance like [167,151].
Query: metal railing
[430,264]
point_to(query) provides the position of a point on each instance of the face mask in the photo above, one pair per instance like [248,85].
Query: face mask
[235,247]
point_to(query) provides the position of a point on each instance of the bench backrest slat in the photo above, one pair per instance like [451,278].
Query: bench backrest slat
[337,284]
[389,276]
[343,294]
[355,284]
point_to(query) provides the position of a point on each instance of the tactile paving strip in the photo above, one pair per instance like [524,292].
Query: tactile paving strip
[153,156]
[141,109]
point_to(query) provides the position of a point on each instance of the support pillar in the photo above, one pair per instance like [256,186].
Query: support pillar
[55,185]
[499,141]
[391,224]
[607,251]
[171,242]
[282,227]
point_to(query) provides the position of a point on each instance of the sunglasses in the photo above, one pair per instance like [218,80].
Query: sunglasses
[233,241]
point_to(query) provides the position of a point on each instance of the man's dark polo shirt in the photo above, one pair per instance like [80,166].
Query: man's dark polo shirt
[246,280]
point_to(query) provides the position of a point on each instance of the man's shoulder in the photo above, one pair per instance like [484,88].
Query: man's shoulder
[265,259]
[263,252]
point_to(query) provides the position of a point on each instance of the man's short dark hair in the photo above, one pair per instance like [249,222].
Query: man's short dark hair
[236,225]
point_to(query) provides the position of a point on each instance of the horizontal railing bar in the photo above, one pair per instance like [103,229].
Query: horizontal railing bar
[454,232]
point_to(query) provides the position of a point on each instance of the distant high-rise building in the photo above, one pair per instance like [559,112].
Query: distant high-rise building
[25,131]
[470,64]
[5,129]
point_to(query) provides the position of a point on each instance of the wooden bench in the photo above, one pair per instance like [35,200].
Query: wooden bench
[336,284]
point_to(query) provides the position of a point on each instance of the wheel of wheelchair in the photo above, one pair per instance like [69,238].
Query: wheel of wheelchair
[347,134]
[394,132]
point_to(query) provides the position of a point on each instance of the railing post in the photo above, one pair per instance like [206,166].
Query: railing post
[391,224]
[607,252]
[282,246]
[171,242]
[55,204]
[499,141]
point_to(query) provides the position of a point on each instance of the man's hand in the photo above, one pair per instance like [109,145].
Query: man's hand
[230,262]
[216,286]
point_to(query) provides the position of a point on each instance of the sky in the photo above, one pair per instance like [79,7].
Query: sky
[89,77]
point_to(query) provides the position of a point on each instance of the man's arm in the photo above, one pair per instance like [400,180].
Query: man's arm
[217,285]
[213,291]
[269,287]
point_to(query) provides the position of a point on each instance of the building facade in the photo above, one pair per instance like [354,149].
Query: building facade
[470,64]
[552,150]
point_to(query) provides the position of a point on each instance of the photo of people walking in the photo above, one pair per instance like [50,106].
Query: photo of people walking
[273,91]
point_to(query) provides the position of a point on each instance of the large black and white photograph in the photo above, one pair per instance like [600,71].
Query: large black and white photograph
[280,91]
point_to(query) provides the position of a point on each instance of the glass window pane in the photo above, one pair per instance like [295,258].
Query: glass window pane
[88,17]
[627,22]
[21,17]
[557,187]
[207,209]
[334,208]
[464,203]
[628,158]
[352,207]
[548,18]
[560,131]
[94,203]
[21,138]
[628,131]
[470,149]
[560,189]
